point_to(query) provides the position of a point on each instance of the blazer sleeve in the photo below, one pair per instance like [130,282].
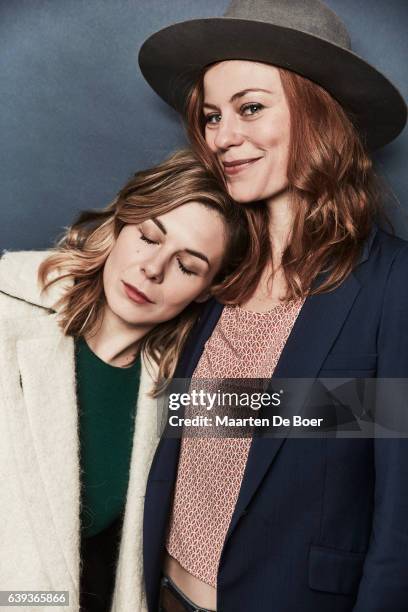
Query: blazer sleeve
[384,584]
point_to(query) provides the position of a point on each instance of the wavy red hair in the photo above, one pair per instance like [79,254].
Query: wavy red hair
[333,187]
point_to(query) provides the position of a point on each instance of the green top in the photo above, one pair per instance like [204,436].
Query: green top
[107,398]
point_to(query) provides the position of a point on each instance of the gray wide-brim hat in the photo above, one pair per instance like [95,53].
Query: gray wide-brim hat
[304,36]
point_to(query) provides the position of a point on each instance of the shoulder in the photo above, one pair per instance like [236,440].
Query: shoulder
[394,251]
[389,246]
[19,278]
[385,254]
[385,277]
[19,292]
[19,268]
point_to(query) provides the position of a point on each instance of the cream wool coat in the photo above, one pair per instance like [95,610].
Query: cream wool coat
[39,449]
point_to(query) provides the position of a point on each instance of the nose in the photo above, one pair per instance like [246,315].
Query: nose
[153,267]
[228,133]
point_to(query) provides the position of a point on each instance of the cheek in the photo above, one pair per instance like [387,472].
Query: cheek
[273,138]
[277,151]
[209,136]
[110,282]
[108,273]
[177,295]
[119,259]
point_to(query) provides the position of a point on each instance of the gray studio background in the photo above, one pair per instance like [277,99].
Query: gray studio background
[77,119]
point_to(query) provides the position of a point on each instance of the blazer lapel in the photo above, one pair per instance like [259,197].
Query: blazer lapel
[195,345]
[312,336]
[314,332]
[44,432]
[169,447]
[163,472]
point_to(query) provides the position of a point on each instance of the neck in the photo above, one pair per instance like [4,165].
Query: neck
[280,223]
[116,342]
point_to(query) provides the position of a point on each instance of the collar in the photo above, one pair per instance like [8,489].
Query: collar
[368,243]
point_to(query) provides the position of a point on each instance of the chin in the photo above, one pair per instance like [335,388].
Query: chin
[242,197]
[247,196]
[124,312]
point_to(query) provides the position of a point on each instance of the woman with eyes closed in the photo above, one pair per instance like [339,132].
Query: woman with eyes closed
[285,115]
[125,281]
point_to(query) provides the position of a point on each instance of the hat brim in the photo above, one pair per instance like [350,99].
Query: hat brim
[171,60]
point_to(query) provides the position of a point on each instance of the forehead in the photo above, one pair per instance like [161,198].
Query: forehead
[229,77]
[196,227]
[192,214]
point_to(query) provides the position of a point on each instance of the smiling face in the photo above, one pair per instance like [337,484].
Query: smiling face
[247,126]
[157,268]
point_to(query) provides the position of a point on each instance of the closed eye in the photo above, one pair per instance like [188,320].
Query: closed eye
[146,239]
[184,269]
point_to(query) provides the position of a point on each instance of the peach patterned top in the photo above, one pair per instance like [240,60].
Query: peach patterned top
[244,344]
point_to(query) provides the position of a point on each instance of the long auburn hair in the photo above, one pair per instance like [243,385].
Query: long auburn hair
[334,190]
[81,253]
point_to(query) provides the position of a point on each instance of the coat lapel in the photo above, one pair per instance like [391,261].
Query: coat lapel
[42,417]
[313,334]
[129,586]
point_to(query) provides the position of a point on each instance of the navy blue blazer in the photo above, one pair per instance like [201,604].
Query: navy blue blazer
[320,524]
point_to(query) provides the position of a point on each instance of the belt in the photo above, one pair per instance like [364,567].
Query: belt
[174,600]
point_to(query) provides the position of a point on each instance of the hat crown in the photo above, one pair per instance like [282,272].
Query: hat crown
[310,16]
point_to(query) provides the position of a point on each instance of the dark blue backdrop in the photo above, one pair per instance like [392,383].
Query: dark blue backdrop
[77,119]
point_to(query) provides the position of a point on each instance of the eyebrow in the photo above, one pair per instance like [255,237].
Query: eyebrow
[198,254]
[189,251]
[159,225]
[238,95]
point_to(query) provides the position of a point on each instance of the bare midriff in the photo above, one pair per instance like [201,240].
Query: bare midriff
[202,594]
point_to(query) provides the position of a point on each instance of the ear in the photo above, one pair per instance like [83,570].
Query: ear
[203,297]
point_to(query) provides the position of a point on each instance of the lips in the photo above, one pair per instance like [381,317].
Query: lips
[135,295]
[238,165]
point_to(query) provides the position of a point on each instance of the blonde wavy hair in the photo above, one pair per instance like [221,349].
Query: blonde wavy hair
[81,253]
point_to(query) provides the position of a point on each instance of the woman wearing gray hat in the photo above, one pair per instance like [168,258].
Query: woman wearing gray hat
[285,114]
